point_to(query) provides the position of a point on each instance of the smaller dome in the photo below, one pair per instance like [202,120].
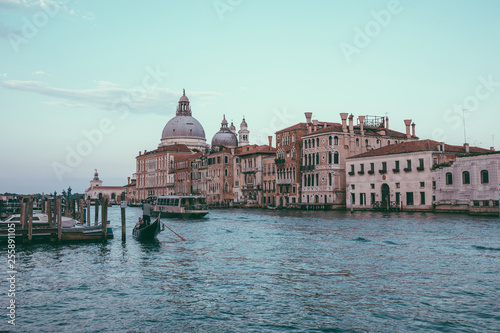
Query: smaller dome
[243,123]
[225,138]
[232,128]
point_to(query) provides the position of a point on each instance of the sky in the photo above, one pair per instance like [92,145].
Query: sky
[86,85]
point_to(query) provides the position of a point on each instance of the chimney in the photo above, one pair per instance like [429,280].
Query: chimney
[140,153]
[408,124]
[128,180]
[413,129]
[343,116]
[387,122]
[270,138]
[466,148]
[361,123]
[351,124]
[315,125]
[308,117]
[492,148]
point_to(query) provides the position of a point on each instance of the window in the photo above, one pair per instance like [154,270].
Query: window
[465,177]
[226,159]
[225,173]
[351,173]
[366,143]
[362,169]
[372,185]
[317,142]
[484,177]
[336,140]
[422,184]
[357,142]
[218,159]
[330,159]
[330,140]
[409,198]
[398,185]
[486,203]
[372,195]
[408,166]
[317,158]
[372,169]
[384,168]
[422,198]
[449,178]
[362,199]
[336,157]
[398,197]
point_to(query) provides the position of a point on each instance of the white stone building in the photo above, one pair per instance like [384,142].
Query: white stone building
[470,184]
[97,191]
[398,176]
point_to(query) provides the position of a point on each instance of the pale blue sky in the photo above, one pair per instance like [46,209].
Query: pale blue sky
[69,67]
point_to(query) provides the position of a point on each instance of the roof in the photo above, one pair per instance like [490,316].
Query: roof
[368,130]
[263,149]
[176,148]
[191,157]
[293,127]
[417,146]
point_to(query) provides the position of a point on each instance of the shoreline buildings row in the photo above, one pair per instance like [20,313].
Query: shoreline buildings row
[317,165]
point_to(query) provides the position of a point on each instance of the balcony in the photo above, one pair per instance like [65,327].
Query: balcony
[361,173]
[278,161]
[307,168]
[407,169]
[351,173]
[371,172]
[249,170]
[396,170]
[383,171]
[251,187]
[421,168]
[284,181]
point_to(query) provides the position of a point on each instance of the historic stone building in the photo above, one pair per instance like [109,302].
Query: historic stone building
[469,185]
[325,148]
[97,191]
[251,162]
[401,176]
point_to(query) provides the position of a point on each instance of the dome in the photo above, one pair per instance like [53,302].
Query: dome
[183,127]
[225,138]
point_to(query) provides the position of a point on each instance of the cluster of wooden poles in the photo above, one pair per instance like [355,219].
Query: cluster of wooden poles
[55,210]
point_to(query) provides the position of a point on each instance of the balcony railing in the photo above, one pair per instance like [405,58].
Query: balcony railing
[420,168]
[396,170]
[361,172]
[351,173]
[371,172]
[279,160]
[307,168]
[249,170]
[383,171]
[284,181]
[407,169]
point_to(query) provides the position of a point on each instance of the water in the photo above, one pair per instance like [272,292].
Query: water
[269,271]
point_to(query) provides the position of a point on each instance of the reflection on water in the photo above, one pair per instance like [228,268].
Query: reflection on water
[269,270]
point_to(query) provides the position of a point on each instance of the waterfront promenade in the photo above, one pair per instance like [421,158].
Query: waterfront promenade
[270,271]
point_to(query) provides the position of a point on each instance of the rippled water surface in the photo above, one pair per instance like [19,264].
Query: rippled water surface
[269,271]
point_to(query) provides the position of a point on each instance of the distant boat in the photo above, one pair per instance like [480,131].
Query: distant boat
[147,232]
[40,219]
[187,206]
[272,207]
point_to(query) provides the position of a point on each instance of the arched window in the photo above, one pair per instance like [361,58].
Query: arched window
[366,142]
[330,157]
[330,140]
[305,180]
[317,179]
[313,143]
[389,142]
[226,188]
[305,144]
[485,179]
[317,158]
[465,177]
[317,142]
[308,180]
[336,140]
[329,179]
[312,180]
[449,178]
[357,142]
[336,157]
[225,172]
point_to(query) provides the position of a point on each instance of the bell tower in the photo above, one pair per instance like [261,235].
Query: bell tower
[243,134]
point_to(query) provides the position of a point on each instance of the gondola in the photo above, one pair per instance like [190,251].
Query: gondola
[147,232]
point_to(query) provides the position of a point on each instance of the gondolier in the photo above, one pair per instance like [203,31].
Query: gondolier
[146,212]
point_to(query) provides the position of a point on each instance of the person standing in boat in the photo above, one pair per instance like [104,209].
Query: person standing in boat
[146,212]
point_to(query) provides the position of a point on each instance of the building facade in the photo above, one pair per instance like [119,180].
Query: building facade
[470,185]
[326,148]
[98,191]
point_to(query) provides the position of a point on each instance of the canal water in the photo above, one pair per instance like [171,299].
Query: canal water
[269,271]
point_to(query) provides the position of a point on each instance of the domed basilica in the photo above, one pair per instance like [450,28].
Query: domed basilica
[184,128]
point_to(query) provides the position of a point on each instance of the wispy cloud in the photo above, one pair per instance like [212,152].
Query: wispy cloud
[108,96]
[3,74]
[41,73]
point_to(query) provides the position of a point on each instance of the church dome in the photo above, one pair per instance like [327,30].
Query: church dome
[184,128]
[225,137]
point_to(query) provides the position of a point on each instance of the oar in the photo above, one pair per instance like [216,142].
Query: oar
[173,231]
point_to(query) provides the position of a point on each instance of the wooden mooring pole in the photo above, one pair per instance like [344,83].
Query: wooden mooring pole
[59,219]
[80,208]
[124,229]
[88,212]
[30,219]
[23,214]
[104,218]
[96,212]
[49,213]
